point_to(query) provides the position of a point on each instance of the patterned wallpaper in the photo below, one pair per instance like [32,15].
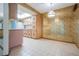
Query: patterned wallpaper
[63,26]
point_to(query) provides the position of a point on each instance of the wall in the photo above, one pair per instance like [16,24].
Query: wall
[6,29]
[27,33]
[28,26]
[61,27]
[76,27]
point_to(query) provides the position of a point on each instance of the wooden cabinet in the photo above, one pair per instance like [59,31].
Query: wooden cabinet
[15,38]
[37,27]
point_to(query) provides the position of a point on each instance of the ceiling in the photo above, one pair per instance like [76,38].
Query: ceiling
[23,12]
[22,9]
[45,7]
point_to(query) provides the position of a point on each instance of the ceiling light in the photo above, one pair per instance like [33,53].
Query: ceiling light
[51,13]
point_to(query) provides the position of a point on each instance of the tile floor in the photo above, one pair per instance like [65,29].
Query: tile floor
[42,47]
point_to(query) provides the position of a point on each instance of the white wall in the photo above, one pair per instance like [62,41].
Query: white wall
[5,30]
[1,9]
[1,18]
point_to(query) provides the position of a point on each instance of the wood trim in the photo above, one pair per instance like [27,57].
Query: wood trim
[58,40]
[77,45]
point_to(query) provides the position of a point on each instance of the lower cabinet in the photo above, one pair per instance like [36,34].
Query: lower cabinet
[15,38]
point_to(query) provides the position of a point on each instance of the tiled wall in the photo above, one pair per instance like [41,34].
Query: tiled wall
[63,27]
[27,33]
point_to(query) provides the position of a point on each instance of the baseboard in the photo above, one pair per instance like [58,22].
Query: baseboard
[77,45]
[59,40]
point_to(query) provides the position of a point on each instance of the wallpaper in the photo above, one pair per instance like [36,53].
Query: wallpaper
[60,26]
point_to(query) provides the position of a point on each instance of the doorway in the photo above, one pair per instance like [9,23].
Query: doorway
[26,19]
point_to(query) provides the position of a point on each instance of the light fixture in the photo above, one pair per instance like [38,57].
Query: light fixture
[51,13]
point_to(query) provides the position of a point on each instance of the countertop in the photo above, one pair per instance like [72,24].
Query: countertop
[16,29]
